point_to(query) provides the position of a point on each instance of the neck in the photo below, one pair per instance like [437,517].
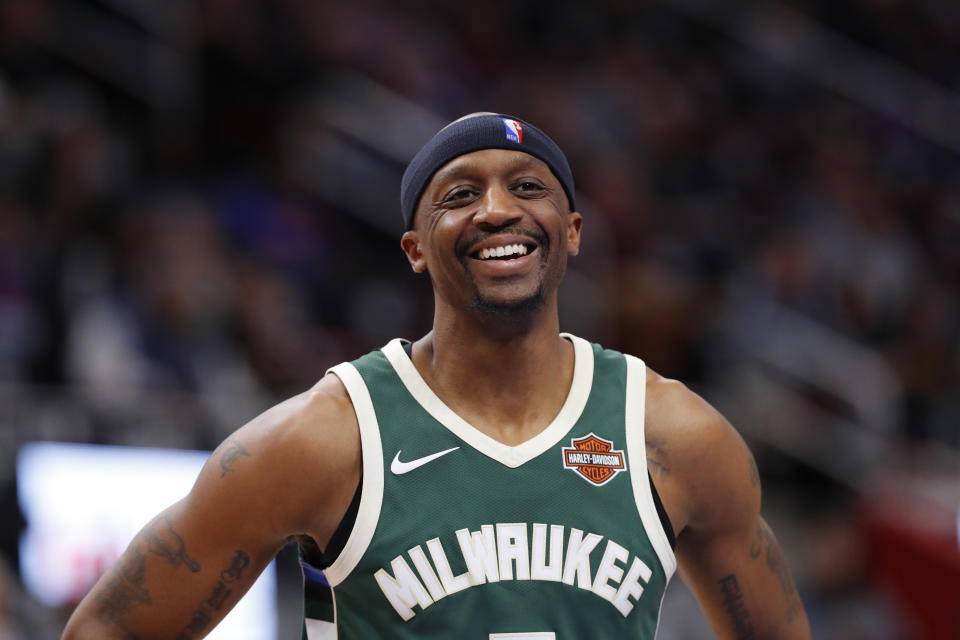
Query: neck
[506,342]
[506,376]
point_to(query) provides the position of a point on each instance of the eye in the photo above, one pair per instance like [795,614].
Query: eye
[529,188]
[459,194]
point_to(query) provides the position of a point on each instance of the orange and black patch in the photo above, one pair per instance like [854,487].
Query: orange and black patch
[594,459]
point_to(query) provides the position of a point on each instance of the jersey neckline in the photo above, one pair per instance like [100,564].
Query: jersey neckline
[509,455]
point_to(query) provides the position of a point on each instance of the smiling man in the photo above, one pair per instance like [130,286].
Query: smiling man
[495,479]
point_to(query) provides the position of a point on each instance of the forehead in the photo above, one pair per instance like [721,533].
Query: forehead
[479,164]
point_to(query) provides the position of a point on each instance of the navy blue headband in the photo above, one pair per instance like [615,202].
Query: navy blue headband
[473,134]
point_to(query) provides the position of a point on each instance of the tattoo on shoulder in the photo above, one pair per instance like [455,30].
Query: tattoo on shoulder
[163,541]
[736,609]
[232,451]
[219,595]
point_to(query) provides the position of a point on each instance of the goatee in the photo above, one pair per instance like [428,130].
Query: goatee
[508,310]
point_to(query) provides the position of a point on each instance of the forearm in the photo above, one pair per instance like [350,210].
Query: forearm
[80,628]
[750,594]
[759,618]
[165,585]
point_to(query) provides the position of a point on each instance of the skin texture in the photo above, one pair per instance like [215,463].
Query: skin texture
[292,471]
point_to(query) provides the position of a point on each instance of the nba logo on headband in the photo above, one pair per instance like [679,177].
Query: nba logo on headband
[514,130]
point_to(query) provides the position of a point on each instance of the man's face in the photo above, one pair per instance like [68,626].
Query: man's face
[494,230]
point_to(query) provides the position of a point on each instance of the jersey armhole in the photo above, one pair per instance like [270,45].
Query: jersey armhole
[369,494]
[662,512]
[654,521]
[323,558]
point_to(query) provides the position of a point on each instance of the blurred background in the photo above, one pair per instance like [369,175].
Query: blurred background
[199,214]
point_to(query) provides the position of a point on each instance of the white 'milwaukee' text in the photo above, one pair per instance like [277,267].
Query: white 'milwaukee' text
[505,551]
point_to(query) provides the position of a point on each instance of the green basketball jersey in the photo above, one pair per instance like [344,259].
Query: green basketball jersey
[460,536]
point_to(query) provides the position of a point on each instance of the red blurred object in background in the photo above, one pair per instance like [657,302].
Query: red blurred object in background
[914,555]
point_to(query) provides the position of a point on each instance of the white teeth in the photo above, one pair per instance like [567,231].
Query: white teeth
[503,251]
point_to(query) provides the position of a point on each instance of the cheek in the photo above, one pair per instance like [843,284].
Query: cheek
[444,238]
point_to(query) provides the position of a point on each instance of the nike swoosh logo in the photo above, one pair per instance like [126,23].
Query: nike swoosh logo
[399,468]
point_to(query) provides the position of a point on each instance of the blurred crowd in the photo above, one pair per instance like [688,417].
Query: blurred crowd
[169,266]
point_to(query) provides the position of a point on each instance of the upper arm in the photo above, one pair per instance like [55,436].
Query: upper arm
[726,552]
[288,472]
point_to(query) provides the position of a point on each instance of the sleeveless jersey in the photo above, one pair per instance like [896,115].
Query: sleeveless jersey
[458,535]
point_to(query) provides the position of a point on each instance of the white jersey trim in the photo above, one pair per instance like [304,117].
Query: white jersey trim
[320,629]
[637,453]
[510,456]
[371,496]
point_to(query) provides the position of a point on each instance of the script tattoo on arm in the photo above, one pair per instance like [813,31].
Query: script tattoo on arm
[736,609]
[202,616]
[231,453]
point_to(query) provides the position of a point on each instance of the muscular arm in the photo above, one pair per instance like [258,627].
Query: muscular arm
[745,587]
[726,552]
[289,472]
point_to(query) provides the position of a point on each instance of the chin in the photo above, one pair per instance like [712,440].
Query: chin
[508,308]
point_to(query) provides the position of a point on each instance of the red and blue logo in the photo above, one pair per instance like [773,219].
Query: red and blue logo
[514,130]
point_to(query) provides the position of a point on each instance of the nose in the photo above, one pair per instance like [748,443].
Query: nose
[498,207]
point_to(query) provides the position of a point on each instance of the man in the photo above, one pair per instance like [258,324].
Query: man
[494,479]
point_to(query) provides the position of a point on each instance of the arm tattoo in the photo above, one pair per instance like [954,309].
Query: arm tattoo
[167,543]
[657,457]
[231,453]
[237,565]
[124,590]
[778,566]
[217,598]
[198,622]
[736,609]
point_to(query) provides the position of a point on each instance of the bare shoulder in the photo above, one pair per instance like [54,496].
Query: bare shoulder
[301,457]
[689,422]
[320,420]
[697,458]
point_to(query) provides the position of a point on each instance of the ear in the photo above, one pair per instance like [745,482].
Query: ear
[410,243]
[574,222]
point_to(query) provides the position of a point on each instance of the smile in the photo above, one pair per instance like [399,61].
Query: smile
[503,252]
